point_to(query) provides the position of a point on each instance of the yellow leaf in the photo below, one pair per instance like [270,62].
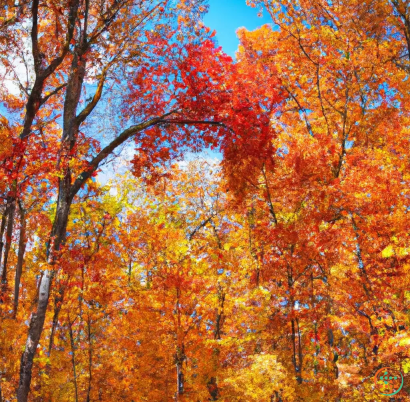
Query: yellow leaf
[404,342]
[388,252]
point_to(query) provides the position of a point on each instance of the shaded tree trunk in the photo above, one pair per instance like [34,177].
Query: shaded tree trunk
[180,379]
[90,358]
[2,229]
[297,350]
[9,234]
[20,258]
[70,330]
[213,389]
[58,300]
[212,384]
[180,352]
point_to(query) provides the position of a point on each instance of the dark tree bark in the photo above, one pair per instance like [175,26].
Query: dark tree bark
[297,350]
[9,234]
[20,257]
[90,358]
[58,300]
[213,389]
[3,228]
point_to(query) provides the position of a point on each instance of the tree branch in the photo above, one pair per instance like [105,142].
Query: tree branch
[212,123]
[203,224]
[58,89]
[302,109]
[97,96]
[34,36]
[124,136]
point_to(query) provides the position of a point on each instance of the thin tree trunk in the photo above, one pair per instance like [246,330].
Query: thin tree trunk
[70,329]
[297,356]
[2,229]
[299,349]
[20,258]
[9,234]
[180,379]
[90,358]
[212,384]
[130,271]
[58,300]
[180,352]
[213,389]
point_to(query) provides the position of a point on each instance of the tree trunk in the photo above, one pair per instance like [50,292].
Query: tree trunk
[297,355]
[180,380]
[20,258]
[2,229]
[9,234]
[212,384]
[34,333]
[60,223]
[58,300]
[213,389]
[90,359]
[70,328]
[57,238]
[58,232]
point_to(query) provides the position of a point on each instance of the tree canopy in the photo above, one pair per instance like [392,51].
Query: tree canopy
[277,272]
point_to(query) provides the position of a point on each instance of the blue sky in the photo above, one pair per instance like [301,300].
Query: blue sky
[226,16]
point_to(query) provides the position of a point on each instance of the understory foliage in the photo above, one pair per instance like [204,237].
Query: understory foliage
[276,269]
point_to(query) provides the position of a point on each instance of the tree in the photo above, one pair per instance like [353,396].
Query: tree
[279,273]
[116,36]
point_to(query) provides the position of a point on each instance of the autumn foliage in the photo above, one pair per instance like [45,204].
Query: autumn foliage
[272,266]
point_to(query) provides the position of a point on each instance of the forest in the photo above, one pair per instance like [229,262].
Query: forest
[180,225]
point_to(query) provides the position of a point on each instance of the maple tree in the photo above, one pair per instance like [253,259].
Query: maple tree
[279,273]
